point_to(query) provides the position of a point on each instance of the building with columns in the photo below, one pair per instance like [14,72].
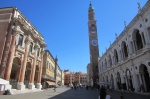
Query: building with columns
[126,63]
[21,51]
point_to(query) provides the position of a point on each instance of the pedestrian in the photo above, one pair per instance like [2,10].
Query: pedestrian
[121,96]
[102,93]
[108,96]
[54,88]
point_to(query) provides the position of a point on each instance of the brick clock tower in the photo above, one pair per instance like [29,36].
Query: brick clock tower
[93,44]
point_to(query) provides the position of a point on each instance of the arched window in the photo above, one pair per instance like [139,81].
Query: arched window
[124,49]
[148,29]
[102,66]
[116,56]
[105,64]
[31,46]
[110,61]
[137,39]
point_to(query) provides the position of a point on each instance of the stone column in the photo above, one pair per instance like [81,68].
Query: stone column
[11,55]
[20,85]
[31,82]
[140,79]
[115,83]
[39,86]
[143,78]
[126,82]
[135,82]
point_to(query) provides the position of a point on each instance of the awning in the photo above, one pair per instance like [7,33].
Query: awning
[50,83]
[2,81]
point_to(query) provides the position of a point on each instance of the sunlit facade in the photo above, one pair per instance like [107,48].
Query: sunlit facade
[21,51]
[126,63]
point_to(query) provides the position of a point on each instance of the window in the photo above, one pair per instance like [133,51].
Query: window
[31,45]
[20,40]
[38,52]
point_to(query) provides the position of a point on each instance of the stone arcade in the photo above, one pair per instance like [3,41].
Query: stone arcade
[126,63]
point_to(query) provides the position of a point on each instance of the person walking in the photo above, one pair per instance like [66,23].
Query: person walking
[54,89]
[102,93]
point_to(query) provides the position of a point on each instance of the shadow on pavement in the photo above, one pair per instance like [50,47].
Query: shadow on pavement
[76,94]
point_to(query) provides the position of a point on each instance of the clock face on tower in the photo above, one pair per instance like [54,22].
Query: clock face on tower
[94,42]
[93,28]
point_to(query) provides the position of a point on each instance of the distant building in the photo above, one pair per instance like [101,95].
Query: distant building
[83,79]
[74,78]
[48,78]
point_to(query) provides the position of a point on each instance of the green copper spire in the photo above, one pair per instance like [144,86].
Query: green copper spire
[90,7]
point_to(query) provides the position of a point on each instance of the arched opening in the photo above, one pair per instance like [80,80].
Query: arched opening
[129,79]
[102,66]
[148,29]
[15,71]
[106,79]
[137,40]
[124,49]
[105,64]
[36,74]
[27,74]
[118,80]
[110,61]
[112,82]
[145,77]
[116,56]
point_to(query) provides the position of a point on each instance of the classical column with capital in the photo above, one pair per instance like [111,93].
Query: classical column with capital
[11,55]
[20,85]
[39,86]
[31,82]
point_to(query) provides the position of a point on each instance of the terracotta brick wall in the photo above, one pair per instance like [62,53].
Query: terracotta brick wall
[5,17]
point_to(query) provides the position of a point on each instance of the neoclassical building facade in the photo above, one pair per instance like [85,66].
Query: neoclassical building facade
[21,50]
[126,63]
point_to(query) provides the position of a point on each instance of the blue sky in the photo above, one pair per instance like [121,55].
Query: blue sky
[63,23]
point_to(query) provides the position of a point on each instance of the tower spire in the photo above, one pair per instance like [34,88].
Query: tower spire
[90,7]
